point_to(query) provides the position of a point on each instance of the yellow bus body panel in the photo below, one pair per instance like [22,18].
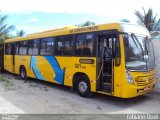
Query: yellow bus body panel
[48,73]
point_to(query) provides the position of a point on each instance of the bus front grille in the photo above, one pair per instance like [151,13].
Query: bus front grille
[141,81]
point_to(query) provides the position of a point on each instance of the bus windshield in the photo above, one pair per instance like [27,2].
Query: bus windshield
[139,54]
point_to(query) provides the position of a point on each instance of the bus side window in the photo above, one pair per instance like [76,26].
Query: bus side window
[68,44]
[36,44]
[79,48]
[23,47]
[30,47]
[43,47]
[16,49]
[8,49]
[47,45]
[88,46]
[33,47]
[53,45]
[59,48]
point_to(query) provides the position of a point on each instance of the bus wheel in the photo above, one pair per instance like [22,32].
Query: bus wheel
[83,86]
[23,73]
[2,70]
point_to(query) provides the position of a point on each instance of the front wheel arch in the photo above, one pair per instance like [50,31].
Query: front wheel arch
[82,79]
[75,77]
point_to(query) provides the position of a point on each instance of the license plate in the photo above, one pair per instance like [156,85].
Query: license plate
[146,89]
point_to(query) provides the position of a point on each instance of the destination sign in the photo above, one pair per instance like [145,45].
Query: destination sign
[85,29]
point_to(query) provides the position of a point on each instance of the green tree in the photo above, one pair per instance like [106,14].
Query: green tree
[148,19]
[20,33]
[87,23]
[4,28]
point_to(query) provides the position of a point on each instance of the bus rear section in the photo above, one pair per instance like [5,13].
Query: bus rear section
[9,57]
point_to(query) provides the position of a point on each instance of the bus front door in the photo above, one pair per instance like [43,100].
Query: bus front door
[105,65]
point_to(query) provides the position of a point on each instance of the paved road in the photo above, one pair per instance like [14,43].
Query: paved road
[38,97]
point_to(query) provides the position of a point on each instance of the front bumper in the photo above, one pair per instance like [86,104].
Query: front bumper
[133,91]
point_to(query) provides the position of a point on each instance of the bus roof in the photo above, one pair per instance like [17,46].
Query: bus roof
[66,31]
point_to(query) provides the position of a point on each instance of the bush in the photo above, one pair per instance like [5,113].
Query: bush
[1,55]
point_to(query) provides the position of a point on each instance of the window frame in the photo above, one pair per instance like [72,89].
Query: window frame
[20,47]
[15,49]
[117,49]
[33,47]
[6,47]
[94,44]
[56,49]
[53,47]
[71,44]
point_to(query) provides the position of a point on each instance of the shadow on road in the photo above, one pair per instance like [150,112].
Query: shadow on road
[123,102]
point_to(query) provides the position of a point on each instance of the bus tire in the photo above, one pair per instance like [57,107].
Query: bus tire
[83,86]
[2,70]
[23,73]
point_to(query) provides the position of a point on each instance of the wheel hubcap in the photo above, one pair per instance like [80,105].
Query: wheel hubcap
[23,73]
[82,87]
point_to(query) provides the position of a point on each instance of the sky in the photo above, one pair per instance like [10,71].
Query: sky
[39,15]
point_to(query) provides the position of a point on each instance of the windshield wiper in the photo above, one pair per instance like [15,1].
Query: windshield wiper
[140,48]
[137,41]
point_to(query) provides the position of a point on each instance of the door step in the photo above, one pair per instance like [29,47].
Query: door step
[107,87]
[107,83]
[106,74]
[107,79]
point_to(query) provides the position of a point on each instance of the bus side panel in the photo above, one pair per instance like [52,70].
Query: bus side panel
[23,60]
[45,66]
[56,69]
[117,81]
[36,67]
[72,65]
[119,72]
[17,64]
[62,69]
[8,63]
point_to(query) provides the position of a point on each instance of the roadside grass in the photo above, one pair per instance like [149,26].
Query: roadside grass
[7,83]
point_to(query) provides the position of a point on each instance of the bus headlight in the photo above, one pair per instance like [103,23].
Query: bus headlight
[129,78]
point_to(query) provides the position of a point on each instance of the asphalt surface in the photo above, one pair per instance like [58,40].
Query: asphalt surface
[39,97]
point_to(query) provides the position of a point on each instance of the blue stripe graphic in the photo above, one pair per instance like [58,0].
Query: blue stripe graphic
[35,69]
[55,66]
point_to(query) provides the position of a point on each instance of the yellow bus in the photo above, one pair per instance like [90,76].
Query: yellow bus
[114,59]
